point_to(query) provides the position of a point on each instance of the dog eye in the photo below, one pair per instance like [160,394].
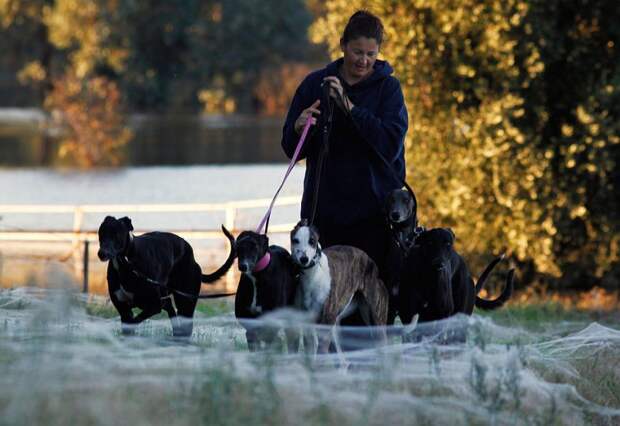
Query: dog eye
[312,241]
[295,241]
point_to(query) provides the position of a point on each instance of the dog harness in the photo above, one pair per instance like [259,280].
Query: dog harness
[152,281]
[406,242]
[138,274]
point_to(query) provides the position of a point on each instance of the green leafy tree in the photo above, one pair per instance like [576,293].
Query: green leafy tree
[241,40]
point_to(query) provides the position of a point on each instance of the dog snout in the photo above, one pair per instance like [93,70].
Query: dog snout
[304,259]
[394,216]
[438,264]
[103,255]
[244,267]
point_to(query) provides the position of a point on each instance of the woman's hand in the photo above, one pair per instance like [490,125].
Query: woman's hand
[337,93]
[305,115]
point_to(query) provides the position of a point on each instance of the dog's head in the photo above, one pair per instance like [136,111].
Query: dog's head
[305,247]
[114,236]
[250,247]
[400,206]
[436,247]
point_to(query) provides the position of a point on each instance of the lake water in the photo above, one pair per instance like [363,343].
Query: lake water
[158,140]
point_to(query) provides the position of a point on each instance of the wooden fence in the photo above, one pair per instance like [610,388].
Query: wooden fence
[81,238]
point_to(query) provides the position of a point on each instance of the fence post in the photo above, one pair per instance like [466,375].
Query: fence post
[85,282]
[78,218]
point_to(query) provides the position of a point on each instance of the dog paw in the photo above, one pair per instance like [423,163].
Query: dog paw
[128,328]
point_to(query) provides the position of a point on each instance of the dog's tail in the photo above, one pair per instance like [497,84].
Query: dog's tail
[487,271]
[210,278]
[502,298]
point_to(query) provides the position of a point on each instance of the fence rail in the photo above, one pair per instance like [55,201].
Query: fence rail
[80,236]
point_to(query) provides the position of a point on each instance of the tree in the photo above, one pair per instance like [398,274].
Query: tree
[513,135]
[240,40]
[76,41]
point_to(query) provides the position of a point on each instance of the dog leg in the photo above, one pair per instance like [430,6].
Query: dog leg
[310,338]
[334,336]
[172,314]
[292,339]
[344,365]
[269,335]
[185,311]
[128,326]
[127,320]
[252,338]
[146,314]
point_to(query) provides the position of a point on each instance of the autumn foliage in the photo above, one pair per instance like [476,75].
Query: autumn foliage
[514,122]
[87,111]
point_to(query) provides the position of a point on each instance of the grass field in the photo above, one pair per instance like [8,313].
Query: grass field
[63,361]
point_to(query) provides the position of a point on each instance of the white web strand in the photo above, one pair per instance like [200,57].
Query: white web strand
[59,365]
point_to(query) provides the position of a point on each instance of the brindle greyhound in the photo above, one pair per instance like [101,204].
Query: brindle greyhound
[267,283]
[150,271]
[331,280]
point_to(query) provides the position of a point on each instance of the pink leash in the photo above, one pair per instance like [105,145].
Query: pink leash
[265,221]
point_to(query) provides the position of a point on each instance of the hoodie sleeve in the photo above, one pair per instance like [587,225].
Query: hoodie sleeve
[385,130]
[290,138]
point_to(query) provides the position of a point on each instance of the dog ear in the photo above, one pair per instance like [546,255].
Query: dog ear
[315,230]
[302,222]
[451,234]
[127,222]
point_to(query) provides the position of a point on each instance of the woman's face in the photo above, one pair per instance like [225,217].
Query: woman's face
[360,55]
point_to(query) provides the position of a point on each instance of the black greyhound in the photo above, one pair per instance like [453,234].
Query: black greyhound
[436,281]
[268,282]
[400,209]
[401,212]
[150,271]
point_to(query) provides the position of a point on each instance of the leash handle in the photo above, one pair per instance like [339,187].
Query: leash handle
[264,223]
[327,121]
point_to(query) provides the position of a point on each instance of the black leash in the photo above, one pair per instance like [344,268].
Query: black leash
[163,285]
[376,150]
[327,121]
[326,127]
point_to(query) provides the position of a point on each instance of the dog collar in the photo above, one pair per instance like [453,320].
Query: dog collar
[262,263]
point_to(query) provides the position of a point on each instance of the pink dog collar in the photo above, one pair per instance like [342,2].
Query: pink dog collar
[262,263]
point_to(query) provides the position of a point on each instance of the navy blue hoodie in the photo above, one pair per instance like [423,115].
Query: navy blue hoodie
[354,182]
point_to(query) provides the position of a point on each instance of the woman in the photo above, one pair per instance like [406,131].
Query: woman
[370,110]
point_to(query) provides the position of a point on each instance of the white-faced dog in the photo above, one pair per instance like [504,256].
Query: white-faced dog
[333,279]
